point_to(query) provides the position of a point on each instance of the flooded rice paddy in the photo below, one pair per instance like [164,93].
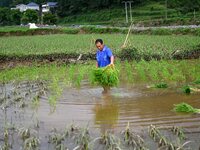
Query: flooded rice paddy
[25,110]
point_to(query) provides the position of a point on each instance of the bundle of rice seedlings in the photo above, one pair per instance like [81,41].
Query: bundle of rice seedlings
[106,76]
[186,89]
[158,85]
[161,85]
[184,107]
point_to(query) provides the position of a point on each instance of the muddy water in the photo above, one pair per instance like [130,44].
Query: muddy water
[140,107]
[87,105]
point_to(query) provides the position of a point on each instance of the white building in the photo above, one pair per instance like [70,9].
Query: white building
[46,7]
[21,7]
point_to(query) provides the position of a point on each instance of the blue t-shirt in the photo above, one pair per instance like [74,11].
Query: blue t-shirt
[103,57]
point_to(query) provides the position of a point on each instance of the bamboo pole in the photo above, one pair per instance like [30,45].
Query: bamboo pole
[127,36]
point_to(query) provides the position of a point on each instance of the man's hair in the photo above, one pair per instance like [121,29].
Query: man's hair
[99,41]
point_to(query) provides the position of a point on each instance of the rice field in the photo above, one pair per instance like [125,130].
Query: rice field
[38,104]
[84,43]
[174,71]
[41,104]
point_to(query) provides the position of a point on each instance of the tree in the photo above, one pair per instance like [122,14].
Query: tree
[16,2]
[63,7]
[16,16]
[5,3]
[185,5]
[30,16]
[50,18]
[5,16]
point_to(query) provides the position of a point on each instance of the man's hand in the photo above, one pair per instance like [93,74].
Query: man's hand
[111,65]
[111,61]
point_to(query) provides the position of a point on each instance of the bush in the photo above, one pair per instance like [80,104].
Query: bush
[5,16]
[30,16]
[70,31]
[129,53]
[101,30]
[161,31]
[16,16]
[50,19]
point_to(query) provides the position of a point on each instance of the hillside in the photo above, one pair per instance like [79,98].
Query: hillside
[108,12]
[146,14]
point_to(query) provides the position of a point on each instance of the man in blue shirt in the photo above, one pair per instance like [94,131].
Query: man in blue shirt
[104,58]
[104,55]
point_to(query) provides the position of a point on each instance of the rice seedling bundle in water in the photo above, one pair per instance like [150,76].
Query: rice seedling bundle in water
[106,76]
[161,85]
[184,107]
[186,89]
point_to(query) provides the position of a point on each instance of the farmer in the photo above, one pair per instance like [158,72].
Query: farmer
[104,57]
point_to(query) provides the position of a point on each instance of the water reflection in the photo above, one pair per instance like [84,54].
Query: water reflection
[106,114]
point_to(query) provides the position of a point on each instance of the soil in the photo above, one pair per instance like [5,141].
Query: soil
[62,58]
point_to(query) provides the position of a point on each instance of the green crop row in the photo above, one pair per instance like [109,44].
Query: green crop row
[185,71]
[143,46]
[22,31]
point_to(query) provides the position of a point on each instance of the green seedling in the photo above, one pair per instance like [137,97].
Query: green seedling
[161,85]
[110,141]
[163,142]
[154,132]
[31,143]
[83,139]
[179,132]
[6,145]
[184,107]
[129,71]
[57,140]
[107,76]
[133,139]
[24,133]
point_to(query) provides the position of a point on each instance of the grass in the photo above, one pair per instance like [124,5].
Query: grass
[13,28]
[72,75]
[163,46]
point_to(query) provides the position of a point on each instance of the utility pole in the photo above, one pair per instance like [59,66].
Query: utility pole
[126,9]
[194,13]
[130,10]
[166,9]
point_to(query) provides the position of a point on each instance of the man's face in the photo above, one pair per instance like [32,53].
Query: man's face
[99,46]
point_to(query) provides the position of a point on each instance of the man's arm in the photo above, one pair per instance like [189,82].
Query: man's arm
[111,60]
[109,53]
[97,64]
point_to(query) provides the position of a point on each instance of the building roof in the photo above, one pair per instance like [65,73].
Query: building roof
[32,4]
[21,5]
[52,4]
